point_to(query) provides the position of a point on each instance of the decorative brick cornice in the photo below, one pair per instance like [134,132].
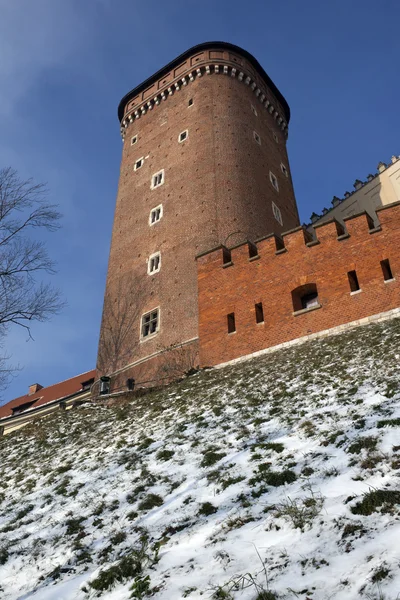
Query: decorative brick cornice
[210,61]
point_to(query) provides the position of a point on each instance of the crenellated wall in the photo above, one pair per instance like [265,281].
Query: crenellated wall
[276,271]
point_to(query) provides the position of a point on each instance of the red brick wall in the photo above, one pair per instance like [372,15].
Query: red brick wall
[216,188]
[271,278]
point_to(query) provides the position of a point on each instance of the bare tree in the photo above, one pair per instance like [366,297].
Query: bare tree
[120,324]
[24,209]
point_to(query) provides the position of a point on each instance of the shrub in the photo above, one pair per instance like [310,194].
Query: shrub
[74,526]
[210,458]
[128,567]
[3,555]
[374,499]
[150,501]
[207,509]
[368,442]
[165,454]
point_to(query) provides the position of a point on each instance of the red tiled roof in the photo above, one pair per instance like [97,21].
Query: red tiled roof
[48,394]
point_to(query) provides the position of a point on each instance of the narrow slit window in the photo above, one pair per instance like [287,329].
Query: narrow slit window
[257,138]
[353,281]
[284,170]
[154,264]
[274,181]
[386,270]
[254,110]
[277,213]
[231,323]
[138,164]
[183,136]
[190,103]
[157,179]
[150,323]
[259,313]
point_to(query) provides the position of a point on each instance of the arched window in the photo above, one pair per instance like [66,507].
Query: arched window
[304,297]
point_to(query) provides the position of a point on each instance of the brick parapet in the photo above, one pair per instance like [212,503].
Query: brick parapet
[273,274]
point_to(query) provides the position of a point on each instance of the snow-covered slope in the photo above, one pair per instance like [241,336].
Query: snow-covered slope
[274,478]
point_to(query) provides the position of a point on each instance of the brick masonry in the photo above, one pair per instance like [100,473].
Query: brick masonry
[217,191]
[271,277]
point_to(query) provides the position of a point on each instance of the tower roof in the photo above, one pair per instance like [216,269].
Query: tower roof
[205,46]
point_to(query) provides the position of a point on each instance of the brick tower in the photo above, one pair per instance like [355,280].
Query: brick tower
[204,164]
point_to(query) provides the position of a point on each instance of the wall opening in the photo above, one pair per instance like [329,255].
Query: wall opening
[353,281]
[386,270]
[259,312]
[253,251]
[226,256]
[305,297]
[231,323]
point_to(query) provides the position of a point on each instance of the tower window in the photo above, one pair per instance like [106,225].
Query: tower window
[386,270]
[134,140]
[183,136]
[275,137]
[274,181]
[157,179]
[154,264]
[231,323]
[190,103]
[155,214]
[277,213]
[284,170]
[138,164]
[257,138]
[353,281]
[259,313]
[254,110]
[150,323]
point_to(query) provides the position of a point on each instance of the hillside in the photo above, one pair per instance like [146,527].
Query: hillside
[274,478]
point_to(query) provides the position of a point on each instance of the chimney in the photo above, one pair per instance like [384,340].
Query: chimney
[381,167]
[358,184]
[394,159]
[370,177]
[347,194]
[314,217]
[35,387]
[336,201]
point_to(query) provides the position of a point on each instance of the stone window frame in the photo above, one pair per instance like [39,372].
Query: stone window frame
[137,166]
[150,260]
[254,110]
[275,136]
[153,184]
[160,208]
[274,181]
[276,211]
[144,338]
[284,170]
[134,139]
[186,132]
[257,137]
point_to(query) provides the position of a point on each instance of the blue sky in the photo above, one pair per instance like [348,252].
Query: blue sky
[65,64]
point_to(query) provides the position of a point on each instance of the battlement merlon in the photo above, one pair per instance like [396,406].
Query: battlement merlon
[299,239]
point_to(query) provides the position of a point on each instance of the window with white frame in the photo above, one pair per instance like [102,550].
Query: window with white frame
[154,263]
[155,214]
[183,136]
[157,179]
[254,110]
[134,140]
[150,323]
[274,181]
[284,170]
[275,137]
[138,163]
[277,213]
[257,137]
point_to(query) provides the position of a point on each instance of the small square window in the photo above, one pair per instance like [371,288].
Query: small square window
[138,164]
[150,323]
[274,181]
[190,103]
[183,136]
[155,214]
[275,137]
[157,179]
[154,263]
[254,110]
[277,213]
[134,140]
[257,137]
[284,170]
